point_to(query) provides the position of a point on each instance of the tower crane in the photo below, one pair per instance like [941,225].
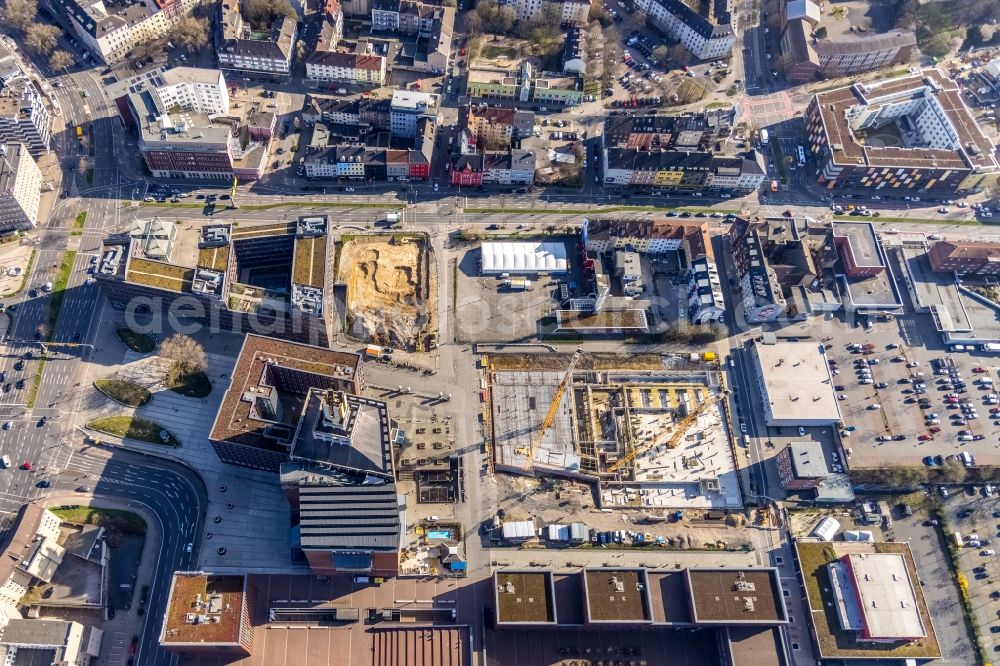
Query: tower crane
[675,434]
[529,451]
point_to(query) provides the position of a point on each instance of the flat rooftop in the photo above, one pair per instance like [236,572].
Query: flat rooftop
[973,151]
[888,599]
[524,597]
[236,421]
[863,242]
[309,266]
[204,608]
[160,275]
[736,596]
[598,322]
[835,642]
[797,380]
[617,595]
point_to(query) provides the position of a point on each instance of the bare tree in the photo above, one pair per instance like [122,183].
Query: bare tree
[262,13]
[60,60]
[689,91]
[190,33]
[680,54]
[41,37]
[661,53]
[953,472]
[20,14]
[187,354]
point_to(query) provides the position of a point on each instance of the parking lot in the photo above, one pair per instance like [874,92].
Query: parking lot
[914,403]
[974,514]
[488,311]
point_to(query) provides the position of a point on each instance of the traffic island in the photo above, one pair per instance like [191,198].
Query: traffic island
[133,427]
[124,393]
[140,343]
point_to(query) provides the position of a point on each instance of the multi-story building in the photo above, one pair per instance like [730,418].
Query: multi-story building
[407,108]
[20,188]
[802,466]
[574,55]
[705,300]
[762,298]
[707,36]
[972,257]
[365,69]
[841,54]
[673,153]
[110,29]
[493,128]
[574,12]
[209,614]
[940,148]
[209,279]
[431,25]
[514,167]
[242,49]
[24,117]
[525,85]
[187,127]
[37,641]
[467,170]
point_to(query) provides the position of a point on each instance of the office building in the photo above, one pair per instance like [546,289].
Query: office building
[929,140]
[762,296]
[209,614]
[841,52]
[20,188]
[49,642]
[802,465]
[407,108]
[966,257]
[794,383]
[525,85]
[24,117]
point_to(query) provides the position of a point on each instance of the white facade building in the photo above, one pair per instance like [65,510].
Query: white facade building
[334,66]
[20,188]
[706,38]
[200,90]
[24,117]
[406,108]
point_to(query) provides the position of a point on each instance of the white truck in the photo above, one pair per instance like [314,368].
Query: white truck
[991,347]
[517,284]
[341,91]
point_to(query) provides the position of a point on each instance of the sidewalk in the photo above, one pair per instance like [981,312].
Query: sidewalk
[255,530]
[118,632]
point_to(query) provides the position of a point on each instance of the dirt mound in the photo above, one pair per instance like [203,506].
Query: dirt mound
[389,284]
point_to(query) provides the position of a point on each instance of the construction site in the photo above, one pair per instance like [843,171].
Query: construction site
[655,437]
[391,289]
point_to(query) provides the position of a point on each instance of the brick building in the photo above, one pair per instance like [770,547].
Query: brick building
[975,257]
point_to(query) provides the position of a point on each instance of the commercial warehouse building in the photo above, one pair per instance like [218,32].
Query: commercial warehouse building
[523,258]
[795,382]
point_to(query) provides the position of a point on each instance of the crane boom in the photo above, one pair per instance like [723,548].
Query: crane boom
[675,434]
[550,416]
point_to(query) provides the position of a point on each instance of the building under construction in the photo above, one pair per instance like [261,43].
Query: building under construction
[654,438]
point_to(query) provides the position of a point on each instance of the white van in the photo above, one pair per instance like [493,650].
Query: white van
[4,462]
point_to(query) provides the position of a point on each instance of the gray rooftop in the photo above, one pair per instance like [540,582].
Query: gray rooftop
[365,516]
[807,459]
[367,425]
[44,633]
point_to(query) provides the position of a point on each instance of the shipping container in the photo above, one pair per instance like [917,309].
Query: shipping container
[373,350]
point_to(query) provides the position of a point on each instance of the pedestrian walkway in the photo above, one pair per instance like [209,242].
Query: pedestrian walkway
[252,513]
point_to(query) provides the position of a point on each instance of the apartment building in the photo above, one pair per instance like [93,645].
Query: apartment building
[525,85]
[514,167]
[24,117]
[407,108]
[674,153]
[112,28]
[243,50]
[762,299]
[573,12]
[365,69]
[841,52]
[20,188]
[707,35]
[940,149]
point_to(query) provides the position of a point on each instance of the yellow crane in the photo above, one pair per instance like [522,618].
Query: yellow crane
[550,416]
[675,435]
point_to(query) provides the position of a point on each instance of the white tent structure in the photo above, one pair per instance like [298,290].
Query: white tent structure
[527,258]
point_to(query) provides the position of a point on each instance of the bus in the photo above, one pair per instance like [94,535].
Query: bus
[802,156]
[763,137]
[79,131]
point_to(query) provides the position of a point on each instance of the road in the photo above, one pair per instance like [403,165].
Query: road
[174,494]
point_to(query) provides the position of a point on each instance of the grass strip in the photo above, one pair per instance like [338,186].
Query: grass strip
[124,522]
[133,427]
[903,220]
[59,290]
[81,219]
[290,204]
[122,392]
[36,382]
